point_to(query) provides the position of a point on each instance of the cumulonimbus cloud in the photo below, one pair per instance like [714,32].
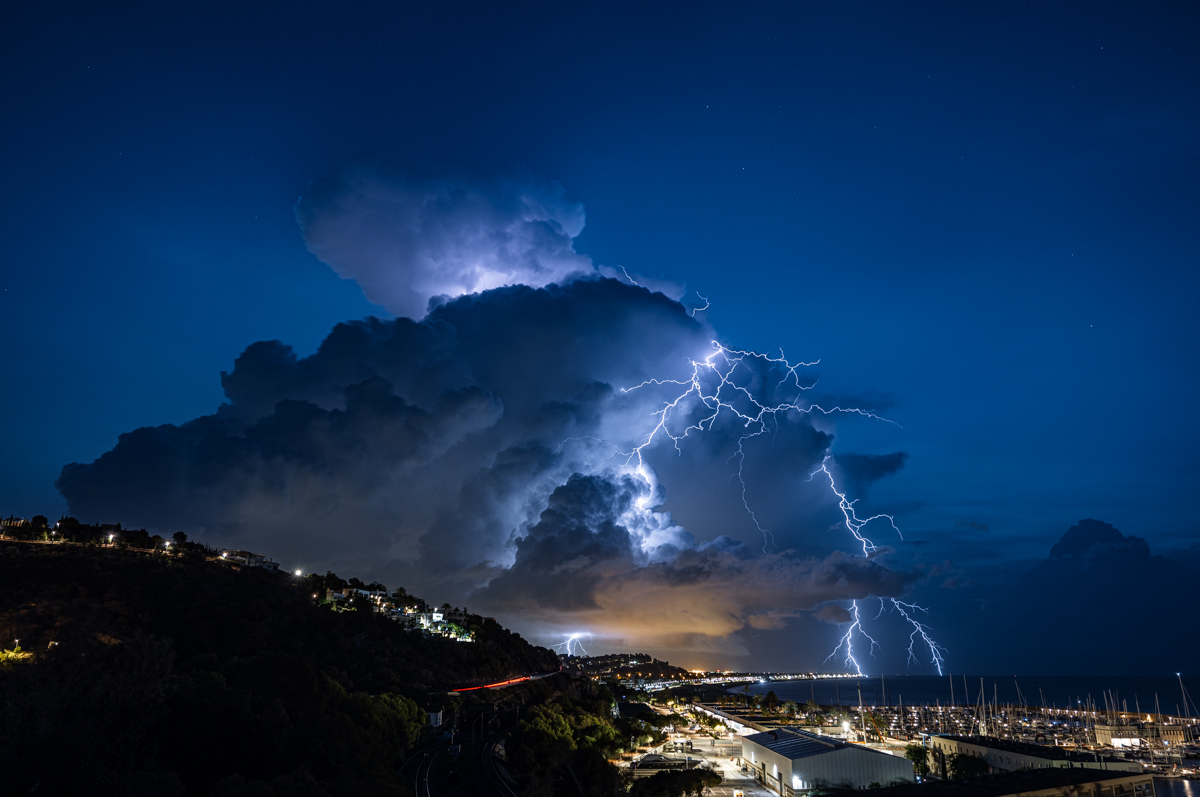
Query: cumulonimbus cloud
[482,451]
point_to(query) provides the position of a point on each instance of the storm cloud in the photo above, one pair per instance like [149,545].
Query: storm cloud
[492,451]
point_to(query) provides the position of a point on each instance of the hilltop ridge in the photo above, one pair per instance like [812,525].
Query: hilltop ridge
[176,675]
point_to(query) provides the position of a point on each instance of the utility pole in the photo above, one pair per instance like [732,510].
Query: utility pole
[862,720]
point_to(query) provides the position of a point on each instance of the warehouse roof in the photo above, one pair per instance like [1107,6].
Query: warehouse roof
[795,744]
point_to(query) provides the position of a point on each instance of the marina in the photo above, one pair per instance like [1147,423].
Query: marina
[1151,722]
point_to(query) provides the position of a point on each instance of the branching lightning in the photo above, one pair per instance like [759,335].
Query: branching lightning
[847,640]
[572,645]
[707,304]
[919,629]
[717,385]
[714,385]
[855,525]
[853,522]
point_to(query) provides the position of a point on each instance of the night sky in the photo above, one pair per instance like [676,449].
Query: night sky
[983,221]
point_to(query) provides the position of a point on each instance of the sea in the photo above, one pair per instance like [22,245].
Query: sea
[1128,693]
[1176,787]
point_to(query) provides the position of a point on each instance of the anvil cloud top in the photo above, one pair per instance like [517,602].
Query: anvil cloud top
[982,222]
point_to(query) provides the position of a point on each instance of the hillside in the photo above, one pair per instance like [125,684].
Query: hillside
[156,674]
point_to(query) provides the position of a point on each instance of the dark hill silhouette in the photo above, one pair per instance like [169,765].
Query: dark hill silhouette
[173,675]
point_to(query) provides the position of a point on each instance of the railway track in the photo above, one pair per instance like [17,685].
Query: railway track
[421,764]
[490,768]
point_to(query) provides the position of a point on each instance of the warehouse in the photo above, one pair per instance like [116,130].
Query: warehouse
[792,762]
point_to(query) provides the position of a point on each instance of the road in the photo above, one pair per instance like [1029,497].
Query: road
[505,684]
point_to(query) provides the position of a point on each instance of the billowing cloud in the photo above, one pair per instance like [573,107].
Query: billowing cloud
[483,454]
[597,556]
[439,439]
[406,240]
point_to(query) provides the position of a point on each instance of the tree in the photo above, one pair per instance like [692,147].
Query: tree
[965,767]
[39,522]
[790,709]
[179,537]
[940,759]
[919,756]
[771,702]
[874,723]
[676,783]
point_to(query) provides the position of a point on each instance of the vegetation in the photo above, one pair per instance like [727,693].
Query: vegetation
[919,756]
[965,767]
[561,745]
[168,675]
[675,783]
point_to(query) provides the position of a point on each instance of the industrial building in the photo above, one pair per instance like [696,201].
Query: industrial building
[1006,755]
[791,762]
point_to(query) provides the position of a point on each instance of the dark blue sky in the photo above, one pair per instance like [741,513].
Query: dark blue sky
[985,218]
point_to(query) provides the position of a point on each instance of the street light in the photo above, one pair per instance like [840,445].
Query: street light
[299,573]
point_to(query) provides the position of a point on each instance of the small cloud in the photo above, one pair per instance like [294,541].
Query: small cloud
[860,470]
[769,620]
[971,525]
[833,614]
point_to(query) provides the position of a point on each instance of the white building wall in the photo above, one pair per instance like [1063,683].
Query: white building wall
[857,767]
[1010,761]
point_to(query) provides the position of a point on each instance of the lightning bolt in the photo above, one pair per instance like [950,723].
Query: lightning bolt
[919,629]
[853,522]
[695,310]
[571,644]
[847,640]
[855,525]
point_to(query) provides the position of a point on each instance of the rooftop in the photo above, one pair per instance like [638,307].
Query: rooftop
[1048,752]
[795,744]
